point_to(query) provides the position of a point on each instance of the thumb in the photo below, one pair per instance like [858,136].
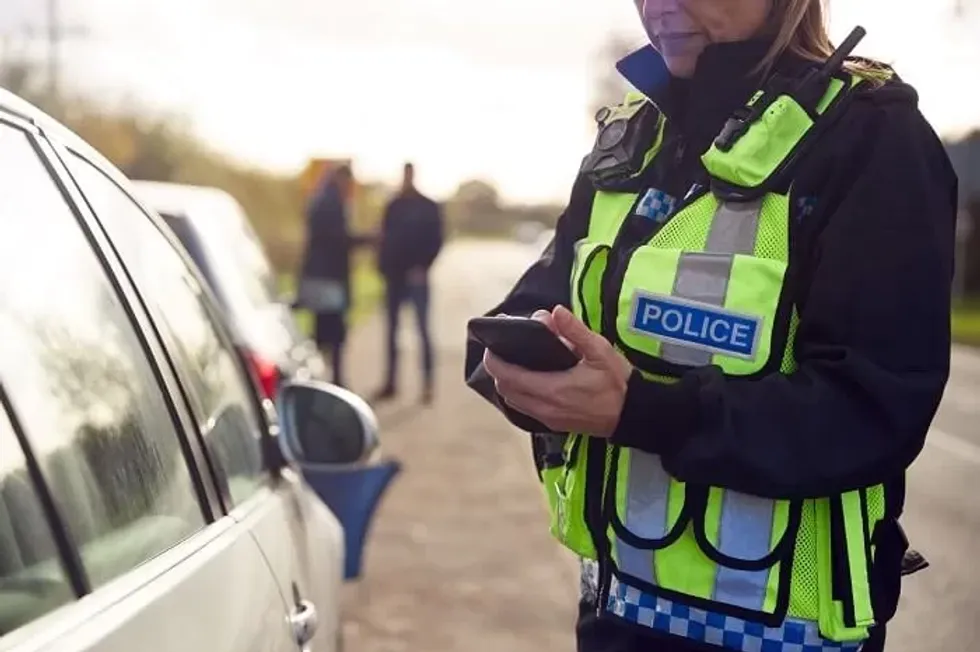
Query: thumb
[590,345]
[545,317]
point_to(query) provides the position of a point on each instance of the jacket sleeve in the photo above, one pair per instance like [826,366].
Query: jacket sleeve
[543,286]
[872,347]
[434,238]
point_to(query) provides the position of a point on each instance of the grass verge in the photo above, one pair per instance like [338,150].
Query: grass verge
[367,289]
[966,324]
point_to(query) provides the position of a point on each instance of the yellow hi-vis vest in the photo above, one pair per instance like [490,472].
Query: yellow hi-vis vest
[709,564]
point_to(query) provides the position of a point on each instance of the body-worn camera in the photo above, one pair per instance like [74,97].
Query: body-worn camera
[625,134]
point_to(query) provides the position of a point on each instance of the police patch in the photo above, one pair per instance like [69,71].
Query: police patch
[695,325]
[656,205]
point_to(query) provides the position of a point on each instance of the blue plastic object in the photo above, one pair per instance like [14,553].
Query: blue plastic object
[353,494]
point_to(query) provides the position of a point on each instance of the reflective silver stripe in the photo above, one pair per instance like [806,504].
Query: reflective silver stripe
[704,276]
[734,228]
[746,525]
[646,511]
[635,562]
[745,532]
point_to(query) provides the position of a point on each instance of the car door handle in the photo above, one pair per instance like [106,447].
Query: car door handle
[303,620]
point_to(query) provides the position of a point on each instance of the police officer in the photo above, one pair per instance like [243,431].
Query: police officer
[754,268]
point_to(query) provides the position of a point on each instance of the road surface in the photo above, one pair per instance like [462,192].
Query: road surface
[940,608]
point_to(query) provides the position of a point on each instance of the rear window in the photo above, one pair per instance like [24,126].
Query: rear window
[252,260]
[235,259]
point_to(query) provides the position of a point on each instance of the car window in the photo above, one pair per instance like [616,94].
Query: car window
[238,257]
[221,396]
[32,579]
[80,381]
[189,240]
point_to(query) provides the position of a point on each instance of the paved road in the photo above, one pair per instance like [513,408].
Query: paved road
[941,606]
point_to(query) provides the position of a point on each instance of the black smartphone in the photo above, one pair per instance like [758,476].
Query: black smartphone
[524,342]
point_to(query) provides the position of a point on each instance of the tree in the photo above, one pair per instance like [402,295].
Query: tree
[475,208]
[19,76]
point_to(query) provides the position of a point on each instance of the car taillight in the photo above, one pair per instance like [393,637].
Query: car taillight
[267,373]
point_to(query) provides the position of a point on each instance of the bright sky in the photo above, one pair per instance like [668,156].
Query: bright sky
[497,89]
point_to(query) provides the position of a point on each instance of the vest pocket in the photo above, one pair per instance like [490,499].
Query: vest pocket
[565,490]
[678,310]
[590,263]
[650,510]
[718,550]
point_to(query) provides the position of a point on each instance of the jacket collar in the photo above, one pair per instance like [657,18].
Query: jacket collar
[723,80]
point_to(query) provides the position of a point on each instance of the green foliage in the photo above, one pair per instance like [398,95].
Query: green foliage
[476,210]
[966,324]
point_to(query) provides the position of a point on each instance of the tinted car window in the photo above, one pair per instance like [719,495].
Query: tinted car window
[236,254]
[32,580]
[79,379]
[220,394]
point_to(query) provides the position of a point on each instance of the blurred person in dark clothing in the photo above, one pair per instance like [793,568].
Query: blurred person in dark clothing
[411,237]
[325,280]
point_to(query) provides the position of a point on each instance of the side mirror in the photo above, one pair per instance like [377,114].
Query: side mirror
[325,425]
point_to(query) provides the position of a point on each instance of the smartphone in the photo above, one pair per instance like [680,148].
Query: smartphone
[524,342]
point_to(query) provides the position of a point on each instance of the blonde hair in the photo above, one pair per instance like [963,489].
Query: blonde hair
[800,28]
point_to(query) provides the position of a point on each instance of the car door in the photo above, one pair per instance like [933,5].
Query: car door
[282,515]
[113,540]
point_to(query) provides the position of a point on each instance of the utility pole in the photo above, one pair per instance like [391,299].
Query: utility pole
[53,33]
[53,36]
[962,7]
[57,31]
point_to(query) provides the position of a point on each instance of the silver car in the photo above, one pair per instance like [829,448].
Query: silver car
[150,498]
[216,233]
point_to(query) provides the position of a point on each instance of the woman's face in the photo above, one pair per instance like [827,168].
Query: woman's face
[680,29]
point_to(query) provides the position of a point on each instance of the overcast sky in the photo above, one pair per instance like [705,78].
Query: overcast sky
[465,88]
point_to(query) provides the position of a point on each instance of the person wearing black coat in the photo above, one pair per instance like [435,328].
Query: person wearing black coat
[325,278]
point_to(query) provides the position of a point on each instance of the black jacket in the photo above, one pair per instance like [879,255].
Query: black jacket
[873,209]
[328,239]
[411,234]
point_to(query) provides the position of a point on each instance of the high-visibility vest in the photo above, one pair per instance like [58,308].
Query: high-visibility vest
[710,564]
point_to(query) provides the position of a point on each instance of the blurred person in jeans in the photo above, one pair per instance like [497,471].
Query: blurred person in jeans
[411,237]
[325,283]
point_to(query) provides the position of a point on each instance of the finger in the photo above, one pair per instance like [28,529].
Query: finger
[588,344]
[510,377]
[568,344]
[532,406]
[545,318]
[495,366]
[523,382]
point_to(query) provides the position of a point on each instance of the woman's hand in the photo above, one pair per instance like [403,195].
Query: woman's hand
[587,398]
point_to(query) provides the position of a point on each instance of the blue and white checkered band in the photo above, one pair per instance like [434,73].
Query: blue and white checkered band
[656,205]
[724,632]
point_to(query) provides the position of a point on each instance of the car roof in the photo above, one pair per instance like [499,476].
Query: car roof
[191,202]
[21,108]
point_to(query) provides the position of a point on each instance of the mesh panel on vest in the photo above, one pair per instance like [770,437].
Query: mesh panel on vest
[689,229]
[876,506]
[804,596]
[789,365]
[772,240]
